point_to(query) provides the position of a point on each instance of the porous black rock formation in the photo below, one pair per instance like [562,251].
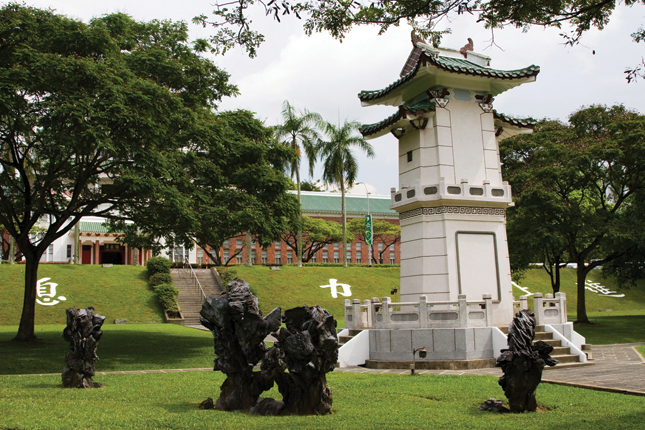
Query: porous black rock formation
[523,362]
[493,405]
[83,333]
[239,330]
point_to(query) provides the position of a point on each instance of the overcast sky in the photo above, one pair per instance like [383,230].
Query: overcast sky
[322,75]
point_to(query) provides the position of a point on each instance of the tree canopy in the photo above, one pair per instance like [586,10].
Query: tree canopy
[382,231]
[104,118]
[317,235]
[338,17]
[578,188]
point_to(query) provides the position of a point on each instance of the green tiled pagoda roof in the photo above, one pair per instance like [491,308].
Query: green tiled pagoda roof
[330,203]
[517,122]
[454,65]
[404,110]
[94,227]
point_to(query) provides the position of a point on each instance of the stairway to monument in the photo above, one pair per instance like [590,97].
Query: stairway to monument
[560,353]
[342,340]
[190,296]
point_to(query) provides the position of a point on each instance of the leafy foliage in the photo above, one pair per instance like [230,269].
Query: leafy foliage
[160,278]
[167,294]
[157,265]
[382,231]
[578,188]
[338,17]
[317,234]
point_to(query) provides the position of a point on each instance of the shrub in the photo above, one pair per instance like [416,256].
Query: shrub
[158,265]
[227,276]
[160,278]
[167,295]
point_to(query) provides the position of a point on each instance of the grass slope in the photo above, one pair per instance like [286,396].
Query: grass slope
[120,292]
[122,347]
[291,286]
[375,401]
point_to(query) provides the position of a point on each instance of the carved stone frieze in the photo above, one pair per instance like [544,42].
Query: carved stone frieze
[438,210]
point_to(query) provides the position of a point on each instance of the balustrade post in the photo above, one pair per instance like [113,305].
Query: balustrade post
[488,300]
[539,308]
[386,311]
[375,303]
[562,304]
[349,322]
[463,310]
[524,302]
[367,323]
[423,311]
[356,311]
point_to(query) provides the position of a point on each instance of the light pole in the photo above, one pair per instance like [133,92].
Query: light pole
[369,246]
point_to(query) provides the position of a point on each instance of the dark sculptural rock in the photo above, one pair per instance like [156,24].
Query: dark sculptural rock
[523,362]
[493,405]
[305,351]
[309,348]
[83,333]
[239,330]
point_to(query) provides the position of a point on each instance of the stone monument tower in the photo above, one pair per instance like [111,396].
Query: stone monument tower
[451,198]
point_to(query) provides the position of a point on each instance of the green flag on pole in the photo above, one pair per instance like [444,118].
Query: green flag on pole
[368,229]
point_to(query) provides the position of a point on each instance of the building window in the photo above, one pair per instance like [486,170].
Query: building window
[380,246]
[264,256]
[226,243]
[277,245]
[253,244]
[336,257]
[278,257]
[336,245]
[227,255]
[50,252]
[314,259]
[200,256]
[409,156]
[253,256]
[358,245]
[238,243]
[289,257]
[325,256]
[349,256]
[392,257]
[177,255]
[359,257]
[69,251]
[238,258]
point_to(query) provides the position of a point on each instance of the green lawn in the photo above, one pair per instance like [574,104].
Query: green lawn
[122,347]
[292,286]
[120,292]
[361,401]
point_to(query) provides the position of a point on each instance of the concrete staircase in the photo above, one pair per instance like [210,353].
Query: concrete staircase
[342,340]
[190,296]
[560,353]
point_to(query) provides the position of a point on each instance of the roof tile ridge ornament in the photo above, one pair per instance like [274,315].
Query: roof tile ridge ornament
[416,39]
[467,47]
[440,96]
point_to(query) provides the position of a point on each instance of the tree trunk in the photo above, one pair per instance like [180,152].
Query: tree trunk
[12,250]
[581,274]
[556,284]
[249,250]
[26,328]
[299,245]
[344,212]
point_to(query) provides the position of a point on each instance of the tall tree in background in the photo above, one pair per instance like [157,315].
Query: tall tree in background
[385,232]
[298,132]
[317,234]
[582,182]
[93,118]
[339,165]
[339,17]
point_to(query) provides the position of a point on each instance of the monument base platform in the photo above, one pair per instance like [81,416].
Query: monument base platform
[433,365]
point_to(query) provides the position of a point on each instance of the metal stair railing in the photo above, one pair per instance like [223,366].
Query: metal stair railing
[192,273]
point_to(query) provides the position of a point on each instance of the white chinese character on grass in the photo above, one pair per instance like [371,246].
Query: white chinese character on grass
[47,291]
[599,289]
[334,288]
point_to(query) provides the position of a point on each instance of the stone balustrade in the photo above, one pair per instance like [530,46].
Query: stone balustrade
[421,314]
[547,309]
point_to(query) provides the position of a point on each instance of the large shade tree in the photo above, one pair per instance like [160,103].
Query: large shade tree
[100,119]
[339,163]
[583,182]
[299,133]
[317,235]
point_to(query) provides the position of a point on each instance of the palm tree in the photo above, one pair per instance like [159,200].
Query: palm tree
[340,166]
[297,129]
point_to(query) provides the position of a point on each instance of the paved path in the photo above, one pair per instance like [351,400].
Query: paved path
[616,368]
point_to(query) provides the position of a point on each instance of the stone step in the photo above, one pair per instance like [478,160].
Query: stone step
[543,335]
[553,342]
[560,350]
[567,358]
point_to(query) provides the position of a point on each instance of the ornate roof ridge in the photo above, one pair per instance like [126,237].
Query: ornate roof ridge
[403,110]
[375,94]
[517,122]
